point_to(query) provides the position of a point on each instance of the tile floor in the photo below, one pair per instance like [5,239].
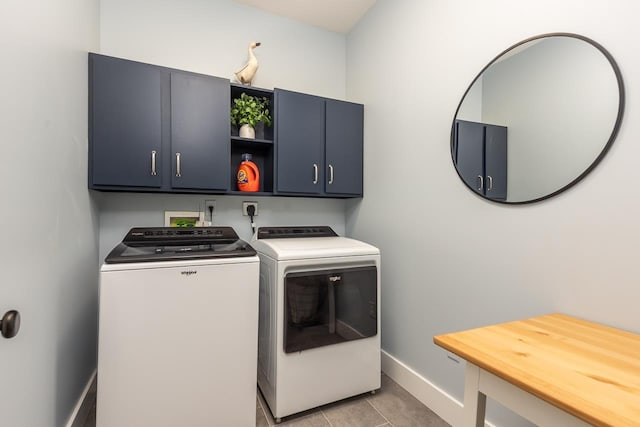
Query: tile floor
[390,406]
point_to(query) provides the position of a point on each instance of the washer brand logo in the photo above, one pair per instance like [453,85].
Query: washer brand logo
[188,272]
[335,278]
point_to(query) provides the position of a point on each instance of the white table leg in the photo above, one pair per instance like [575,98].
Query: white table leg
[475,402]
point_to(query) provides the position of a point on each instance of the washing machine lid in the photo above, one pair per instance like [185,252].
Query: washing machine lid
[152,244]
[288,243]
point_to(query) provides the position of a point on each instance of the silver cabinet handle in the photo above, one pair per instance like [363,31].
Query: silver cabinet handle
[153,163]
[481,183]
[490,183]
[330,174]
[315,173]
[178,168]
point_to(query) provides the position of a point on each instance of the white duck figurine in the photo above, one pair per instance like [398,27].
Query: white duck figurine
[246,73]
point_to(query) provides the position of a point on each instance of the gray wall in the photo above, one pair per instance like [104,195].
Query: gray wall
[211,37]
[49,240]
[451,260]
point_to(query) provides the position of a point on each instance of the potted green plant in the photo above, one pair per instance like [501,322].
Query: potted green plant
[248,111]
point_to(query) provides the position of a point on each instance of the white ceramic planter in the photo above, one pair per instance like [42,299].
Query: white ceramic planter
[246,131]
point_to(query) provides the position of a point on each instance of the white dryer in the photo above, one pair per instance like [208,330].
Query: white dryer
[319,317]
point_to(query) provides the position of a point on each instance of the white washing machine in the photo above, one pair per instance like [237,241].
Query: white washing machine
[319,329]
[178,330]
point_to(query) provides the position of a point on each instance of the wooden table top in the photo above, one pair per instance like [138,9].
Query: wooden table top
[589,370]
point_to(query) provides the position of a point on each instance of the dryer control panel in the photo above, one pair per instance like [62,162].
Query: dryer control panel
[292,232]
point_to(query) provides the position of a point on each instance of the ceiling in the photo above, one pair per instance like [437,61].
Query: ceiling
[334,15]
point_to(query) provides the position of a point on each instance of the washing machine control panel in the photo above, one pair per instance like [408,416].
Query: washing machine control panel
[177,234]
[292,232]
[145,244]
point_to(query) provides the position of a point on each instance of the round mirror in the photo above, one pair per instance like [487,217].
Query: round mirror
[537,119]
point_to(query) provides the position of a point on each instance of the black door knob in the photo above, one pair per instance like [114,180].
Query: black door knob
[10,324]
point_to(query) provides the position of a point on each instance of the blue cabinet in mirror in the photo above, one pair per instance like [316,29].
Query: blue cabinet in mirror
[537,119]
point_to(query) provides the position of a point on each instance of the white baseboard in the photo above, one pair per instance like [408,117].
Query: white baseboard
[78,407]
[446,406]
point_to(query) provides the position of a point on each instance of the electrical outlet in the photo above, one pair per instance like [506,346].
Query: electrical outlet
[245,205]
[209,214]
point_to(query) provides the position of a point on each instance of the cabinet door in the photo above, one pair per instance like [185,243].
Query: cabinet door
[496,162]
[343,147]
[469,154]
[300,142]
[199,132]
[125,123]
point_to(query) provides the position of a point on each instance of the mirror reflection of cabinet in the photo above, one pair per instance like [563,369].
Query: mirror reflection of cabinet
[480,156]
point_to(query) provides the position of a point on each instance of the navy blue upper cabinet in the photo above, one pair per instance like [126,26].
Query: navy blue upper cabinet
[300,142]
[319,145]
[480,157]
[200,150]
[125,123]
[343,149]
[157,129]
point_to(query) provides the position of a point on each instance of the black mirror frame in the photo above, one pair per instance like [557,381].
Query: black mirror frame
[614,132]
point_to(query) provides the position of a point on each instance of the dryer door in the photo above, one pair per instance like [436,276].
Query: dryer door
[329,307]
